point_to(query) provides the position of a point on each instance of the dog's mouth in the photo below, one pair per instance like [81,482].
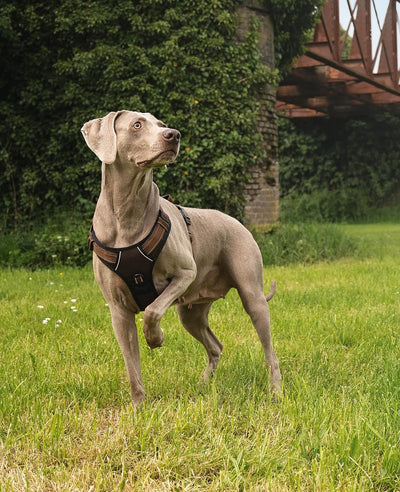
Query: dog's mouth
[161,159]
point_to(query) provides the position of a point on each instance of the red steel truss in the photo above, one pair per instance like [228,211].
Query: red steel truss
[340,74]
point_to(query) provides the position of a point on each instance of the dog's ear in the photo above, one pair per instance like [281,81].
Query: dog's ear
[101,138]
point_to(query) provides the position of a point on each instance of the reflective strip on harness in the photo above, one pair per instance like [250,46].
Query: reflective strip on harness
[134,264]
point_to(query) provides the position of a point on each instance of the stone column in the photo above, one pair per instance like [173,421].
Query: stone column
[262,192]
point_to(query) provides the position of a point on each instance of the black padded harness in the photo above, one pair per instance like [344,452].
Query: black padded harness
[134,264]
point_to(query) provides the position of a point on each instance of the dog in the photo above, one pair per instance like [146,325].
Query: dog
[205,252]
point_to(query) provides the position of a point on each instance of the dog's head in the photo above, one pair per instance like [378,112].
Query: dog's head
[133,138]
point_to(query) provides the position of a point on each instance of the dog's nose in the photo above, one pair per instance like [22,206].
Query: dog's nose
[170,135]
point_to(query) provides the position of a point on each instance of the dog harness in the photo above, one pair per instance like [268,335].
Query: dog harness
[134,264]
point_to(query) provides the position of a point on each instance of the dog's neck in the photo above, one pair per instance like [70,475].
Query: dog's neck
[127,207]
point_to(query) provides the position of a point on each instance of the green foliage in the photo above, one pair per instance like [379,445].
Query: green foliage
[324,205]
[66,62]
[177,62]
[293,22]
[305,243]
[337,169]
[51,242]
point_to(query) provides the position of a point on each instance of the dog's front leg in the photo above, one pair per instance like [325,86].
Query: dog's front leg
[155,311]
[126,334]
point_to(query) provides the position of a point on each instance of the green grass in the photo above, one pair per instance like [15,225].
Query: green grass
[375,240]
[65,417]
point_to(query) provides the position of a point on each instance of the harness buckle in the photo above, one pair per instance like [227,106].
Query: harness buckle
[138,279]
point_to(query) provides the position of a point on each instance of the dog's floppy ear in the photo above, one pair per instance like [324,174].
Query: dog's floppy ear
[101,138]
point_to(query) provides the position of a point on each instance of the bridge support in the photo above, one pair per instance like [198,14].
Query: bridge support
[262,192]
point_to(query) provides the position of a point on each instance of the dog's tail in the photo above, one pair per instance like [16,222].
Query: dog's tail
[272,291]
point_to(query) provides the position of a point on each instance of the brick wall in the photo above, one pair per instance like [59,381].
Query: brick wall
[262,192]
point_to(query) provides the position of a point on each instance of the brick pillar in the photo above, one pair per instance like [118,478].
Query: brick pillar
[262,192]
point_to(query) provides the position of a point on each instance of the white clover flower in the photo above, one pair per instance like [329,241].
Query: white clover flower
[40,306]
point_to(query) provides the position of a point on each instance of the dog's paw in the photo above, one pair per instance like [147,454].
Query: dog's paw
[151,327]
[276,390]
[153,340]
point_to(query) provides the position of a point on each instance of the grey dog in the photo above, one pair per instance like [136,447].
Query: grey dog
[192,270]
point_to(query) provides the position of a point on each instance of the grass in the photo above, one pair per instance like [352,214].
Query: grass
[65,417]
[375,240]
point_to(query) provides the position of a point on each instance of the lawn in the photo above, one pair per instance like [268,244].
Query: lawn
[66,422]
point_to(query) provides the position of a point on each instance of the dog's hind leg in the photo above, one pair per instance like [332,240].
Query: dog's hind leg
[194,318]
[257,308]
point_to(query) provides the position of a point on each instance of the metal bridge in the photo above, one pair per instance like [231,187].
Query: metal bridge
[350,65]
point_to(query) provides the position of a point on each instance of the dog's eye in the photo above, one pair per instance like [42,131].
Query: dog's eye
[137,125]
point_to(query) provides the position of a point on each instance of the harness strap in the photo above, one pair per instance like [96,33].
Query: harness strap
[101,252]
[185,216]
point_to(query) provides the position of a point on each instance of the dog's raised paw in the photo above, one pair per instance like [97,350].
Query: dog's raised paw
[154,341]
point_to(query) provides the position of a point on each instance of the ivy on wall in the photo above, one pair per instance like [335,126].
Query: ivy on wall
[66,61]
[293,21]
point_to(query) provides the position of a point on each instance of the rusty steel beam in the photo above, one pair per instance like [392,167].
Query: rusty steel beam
[353,73]
[328,77]
[328,31]
[293,111]
[361,45]
[388,62]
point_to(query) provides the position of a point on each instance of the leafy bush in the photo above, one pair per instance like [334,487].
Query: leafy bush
[338,169]
[60,241]
[305,243]
[325,206]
